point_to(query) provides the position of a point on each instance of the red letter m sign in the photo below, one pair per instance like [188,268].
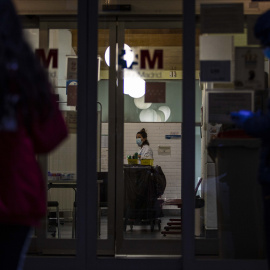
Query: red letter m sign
[53,55]
[157,57]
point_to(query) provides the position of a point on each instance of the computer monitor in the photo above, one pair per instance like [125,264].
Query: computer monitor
[220,104]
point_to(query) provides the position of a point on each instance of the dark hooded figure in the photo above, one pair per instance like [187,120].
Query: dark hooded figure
[30,124]
[258,125]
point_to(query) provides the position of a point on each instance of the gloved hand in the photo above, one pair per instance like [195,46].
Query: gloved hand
[240,117]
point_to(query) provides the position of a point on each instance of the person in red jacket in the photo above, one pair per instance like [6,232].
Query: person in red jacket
[30,124]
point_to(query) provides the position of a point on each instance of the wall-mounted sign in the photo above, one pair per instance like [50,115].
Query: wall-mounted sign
[155,92]
[216,55]
[71,120]
[145,59]
[220,104]
[215,71]
[168,137]
[249,68]
[46,60]
[70,82]
[151,61]
[72,68]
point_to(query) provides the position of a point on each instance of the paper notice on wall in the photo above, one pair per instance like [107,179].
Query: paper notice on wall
[216,57]
[249,68]
[71,120]
[72,68]
[215,71]
[222,18]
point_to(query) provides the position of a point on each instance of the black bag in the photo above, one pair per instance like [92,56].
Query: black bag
[160,180]
[199,202]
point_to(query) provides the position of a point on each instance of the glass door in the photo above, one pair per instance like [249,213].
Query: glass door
[56,46]
[149,107]
[141,92]
[106,163]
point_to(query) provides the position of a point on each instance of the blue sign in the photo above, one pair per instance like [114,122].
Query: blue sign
[71,82]
[172,137]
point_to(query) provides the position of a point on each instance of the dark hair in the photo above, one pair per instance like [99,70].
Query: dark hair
[21,72]
[262,28]
[144,135]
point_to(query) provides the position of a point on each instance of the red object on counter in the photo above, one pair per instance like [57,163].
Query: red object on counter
[234,133]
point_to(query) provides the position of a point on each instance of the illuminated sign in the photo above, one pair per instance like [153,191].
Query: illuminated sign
[151,61]
[46,60]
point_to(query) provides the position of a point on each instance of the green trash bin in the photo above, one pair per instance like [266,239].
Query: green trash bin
[239,202]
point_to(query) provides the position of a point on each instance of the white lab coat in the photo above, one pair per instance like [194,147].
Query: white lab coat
[146,152]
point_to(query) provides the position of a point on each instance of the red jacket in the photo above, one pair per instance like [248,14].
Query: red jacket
[22,187]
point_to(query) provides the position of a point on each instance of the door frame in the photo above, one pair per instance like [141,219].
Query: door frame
[86,243]
[131,247]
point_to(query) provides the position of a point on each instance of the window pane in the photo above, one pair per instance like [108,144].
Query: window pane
[228,214]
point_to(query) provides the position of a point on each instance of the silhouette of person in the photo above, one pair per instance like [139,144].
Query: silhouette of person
[258,125]
[30,124]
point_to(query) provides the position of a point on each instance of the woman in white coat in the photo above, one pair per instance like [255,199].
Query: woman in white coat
[141,139]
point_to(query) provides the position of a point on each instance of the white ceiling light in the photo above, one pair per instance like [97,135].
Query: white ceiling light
[140,104]
[148,115]
[160,116]
[134,85]
[166,110]
[129,55]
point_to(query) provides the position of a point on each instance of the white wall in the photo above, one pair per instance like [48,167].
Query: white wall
[63,159]
[170,164]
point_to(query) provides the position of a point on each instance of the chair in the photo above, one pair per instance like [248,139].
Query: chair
[56,205]
[174,226]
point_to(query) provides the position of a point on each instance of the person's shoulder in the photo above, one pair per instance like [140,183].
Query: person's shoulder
[148,147]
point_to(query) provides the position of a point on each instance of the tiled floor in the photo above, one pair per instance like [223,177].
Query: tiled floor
[136,232]
[204,246]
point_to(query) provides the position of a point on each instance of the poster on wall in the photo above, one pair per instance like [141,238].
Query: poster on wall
[72,68]
[155,92]
[249,68]
[71,121]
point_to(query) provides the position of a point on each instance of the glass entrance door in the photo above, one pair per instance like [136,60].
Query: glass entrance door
[142,85]
[139,87]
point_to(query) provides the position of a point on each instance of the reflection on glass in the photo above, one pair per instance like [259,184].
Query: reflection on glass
[232,213]
[103,132]
[62,176]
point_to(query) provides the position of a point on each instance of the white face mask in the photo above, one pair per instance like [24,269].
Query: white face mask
[139,141]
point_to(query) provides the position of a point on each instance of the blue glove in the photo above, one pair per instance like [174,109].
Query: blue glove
[240,117]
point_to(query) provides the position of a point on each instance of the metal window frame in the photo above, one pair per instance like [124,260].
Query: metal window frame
[86,244]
